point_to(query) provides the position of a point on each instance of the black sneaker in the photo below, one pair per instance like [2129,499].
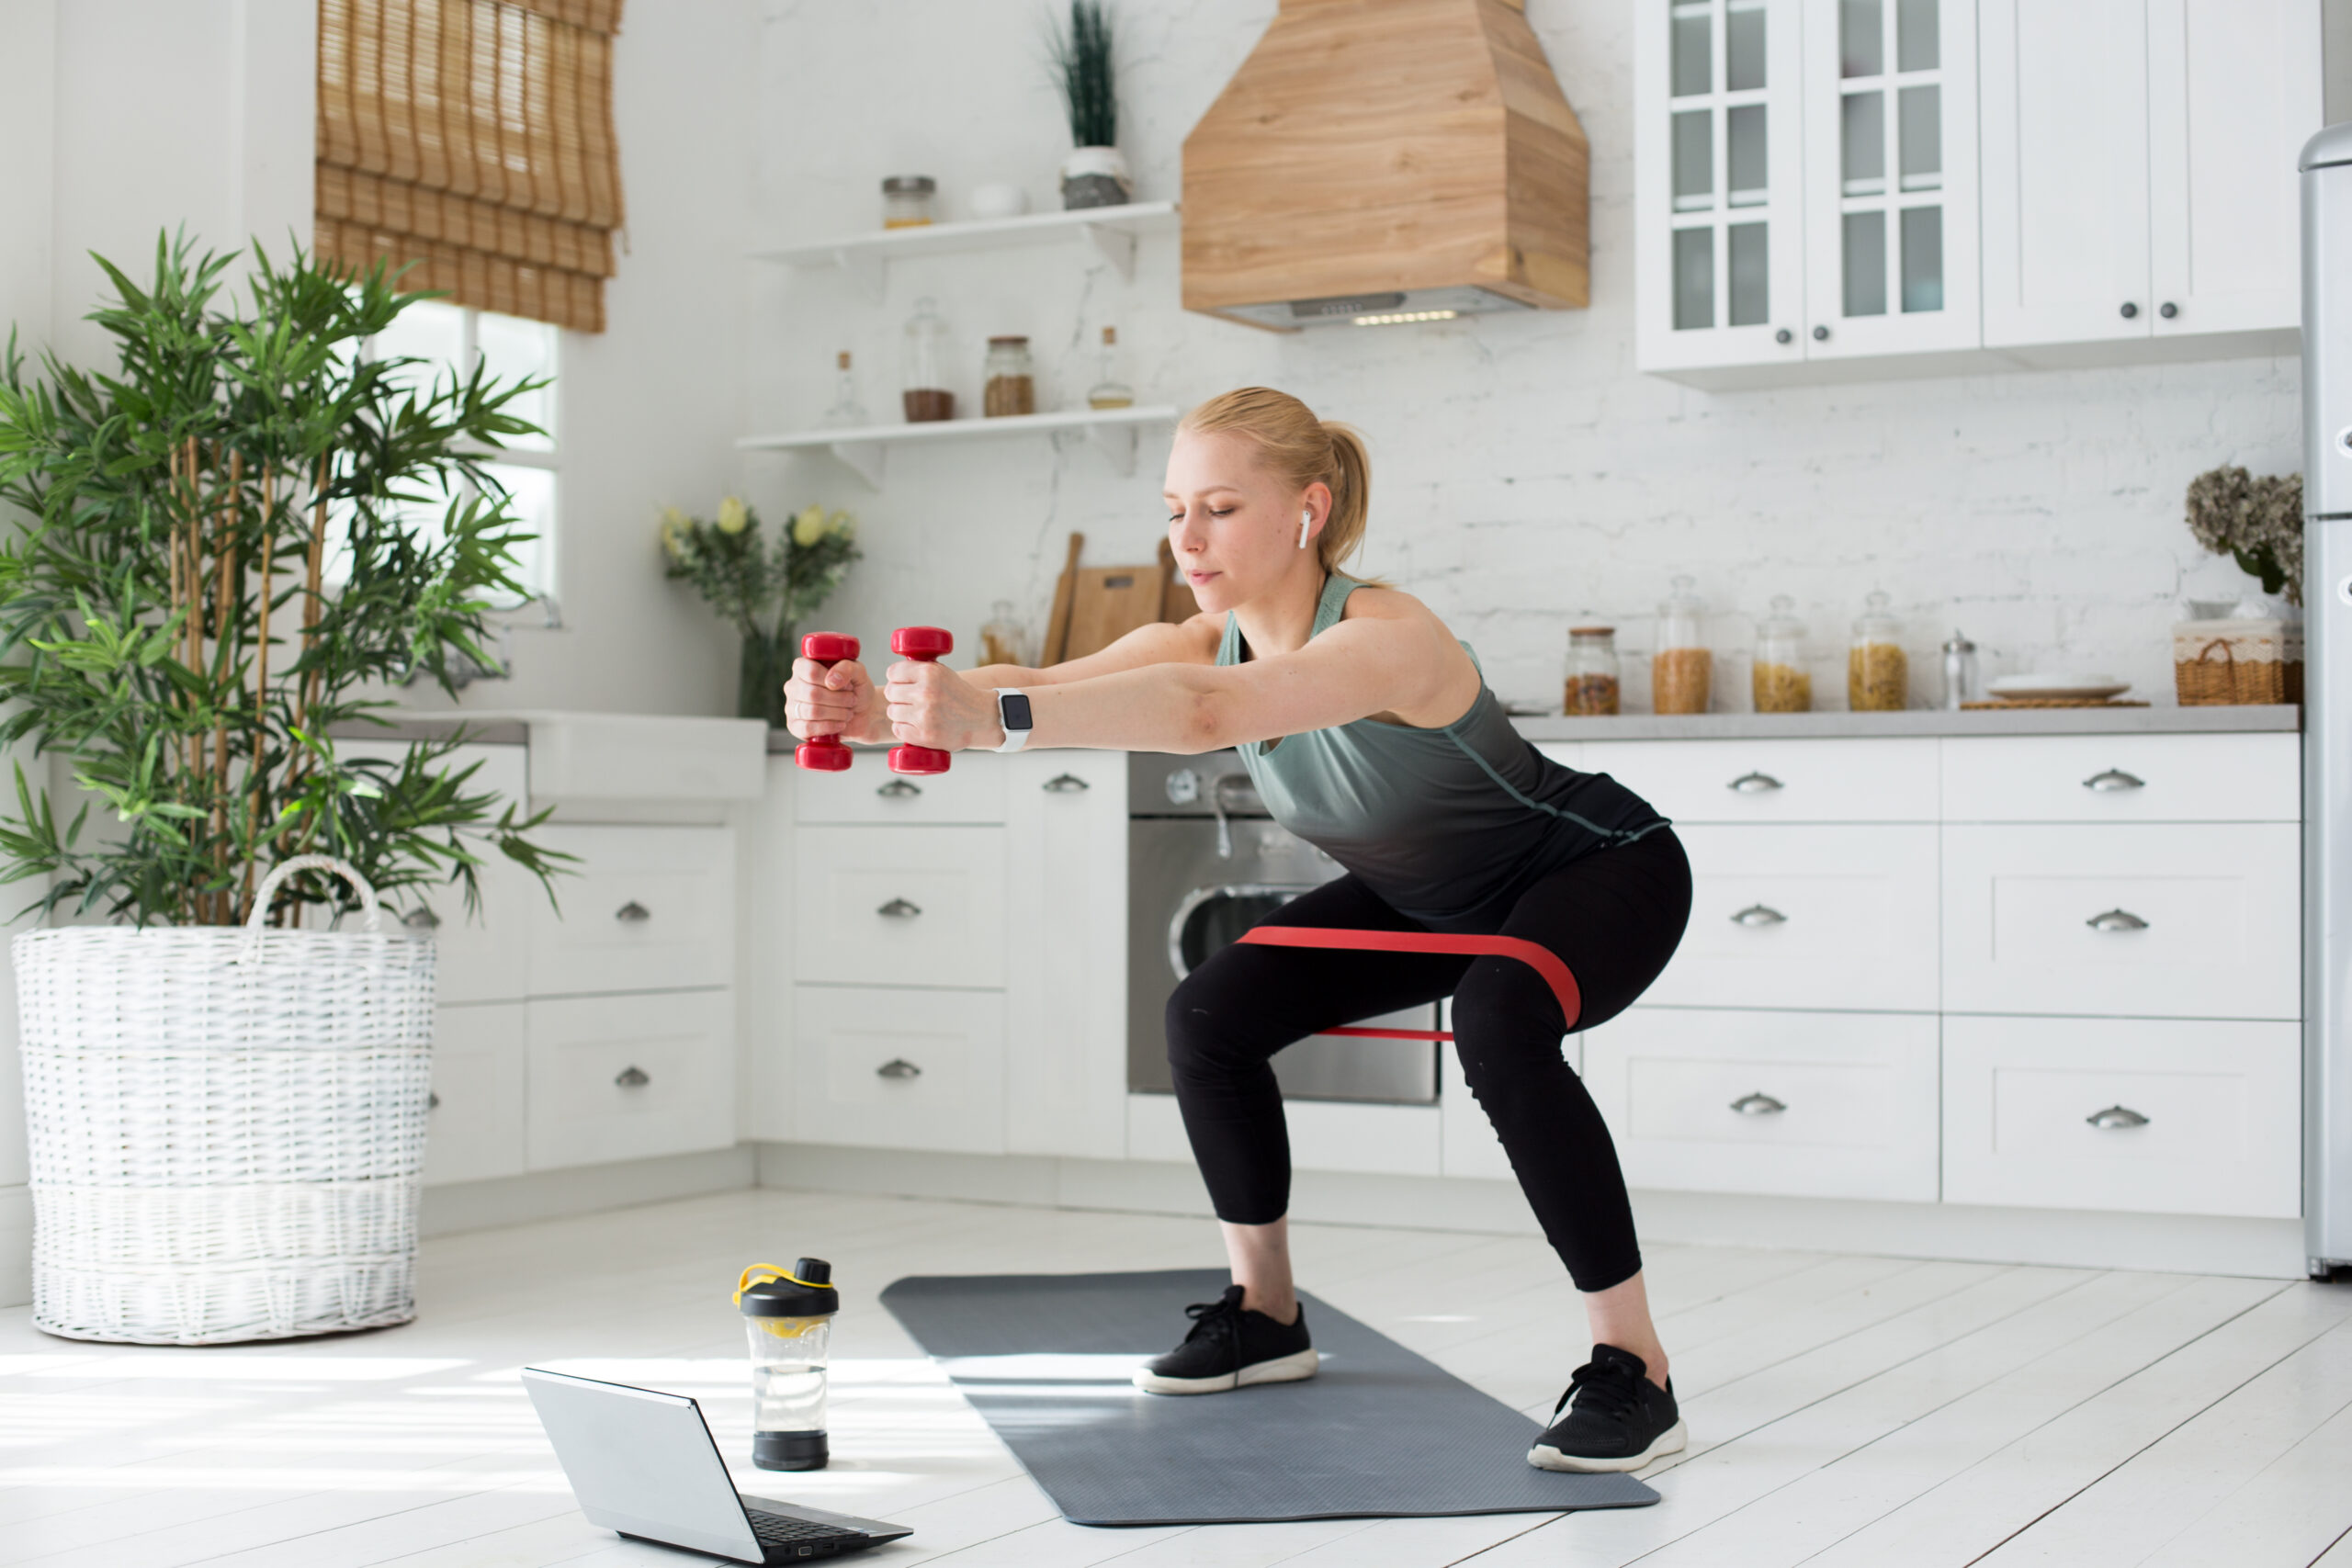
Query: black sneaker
[1618,1420]
[1230,1347]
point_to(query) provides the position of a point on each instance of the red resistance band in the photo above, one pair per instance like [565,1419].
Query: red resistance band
[1536,956]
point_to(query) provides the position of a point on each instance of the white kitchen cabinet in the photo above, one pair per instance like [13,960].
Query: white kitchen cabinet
[2144,920]
[1775,781]
[868,795]
[904,1070]
[901,905]
[620,1077]
[476,1124]
[1890,177]
[1830,1105]
[2123,778]
[2157,1115]
[1839,917]
[1066,956]
[646,909]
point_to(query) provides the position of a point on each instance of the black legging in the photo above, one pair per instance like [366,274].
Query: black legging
[1613,917]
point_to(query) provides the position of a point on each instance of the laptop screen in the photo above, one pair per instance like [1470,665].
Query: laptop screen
[642,1463]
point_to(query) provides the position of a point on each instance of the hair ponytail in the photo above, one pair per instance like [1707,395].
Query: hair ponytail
[1303,450]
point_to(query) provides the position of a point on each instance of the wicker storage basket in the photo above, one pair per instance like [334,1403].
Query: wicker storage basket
[2233,661]
[226,1125]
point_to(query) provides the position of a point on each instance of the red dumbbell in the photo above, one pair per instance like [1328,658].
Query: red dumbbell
[922,644]
[825,753]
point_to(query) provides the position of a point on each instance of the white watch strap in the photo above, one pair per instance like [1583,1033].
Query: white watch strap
[1013,739]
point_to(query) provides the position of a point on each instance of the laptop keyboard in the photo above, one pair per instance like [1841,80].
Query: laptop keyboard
[776,1529]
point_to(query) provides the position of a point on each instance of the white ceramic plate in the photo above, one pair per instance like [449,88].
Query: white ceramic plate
[2073,687]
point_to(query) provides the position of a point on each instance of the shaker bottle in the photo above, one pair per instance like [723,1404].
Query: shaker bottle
[788,1315]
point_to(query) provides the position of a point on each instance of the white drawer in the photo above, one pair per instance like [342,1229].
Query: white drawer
[629,1078]
[1775,781]
[478,957]
[650,908]
[901,1070]
[2221,1103]
[1831,1105]
[2042,918]
[2124,778]
[1841,917]
[899,906]
[970,791]
[475,1128]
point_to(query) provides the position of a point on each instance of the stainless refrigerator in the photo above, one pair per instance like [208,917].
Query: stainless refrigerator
[2327,715]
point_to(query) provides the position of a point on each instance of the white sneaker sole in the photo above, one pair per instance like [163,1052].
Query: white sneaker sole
[1543,1456]
[1296,1367]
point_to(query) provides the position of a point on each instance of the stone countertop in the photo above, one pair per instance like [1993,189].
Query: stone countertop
[1915,722]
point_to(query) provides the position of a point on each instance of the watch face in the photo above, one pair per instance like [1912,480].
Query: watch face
[1015,710]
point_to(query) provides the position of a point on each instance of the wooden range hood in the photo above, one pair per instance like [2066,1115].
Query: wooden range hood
[1383,158]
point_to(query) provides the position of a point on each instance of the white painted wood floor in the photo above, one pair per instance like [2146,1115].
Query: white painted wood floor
[1844,1410]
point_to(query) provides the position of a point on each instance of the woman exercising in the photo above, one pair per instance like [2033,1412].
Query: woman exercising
[1370,732]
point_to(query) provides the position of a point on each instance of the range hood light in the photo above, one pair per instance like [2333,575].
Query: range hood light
[1398,317]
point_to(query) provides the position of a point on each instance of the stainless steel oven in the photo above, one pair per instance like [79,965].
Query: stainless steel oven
[1205,863]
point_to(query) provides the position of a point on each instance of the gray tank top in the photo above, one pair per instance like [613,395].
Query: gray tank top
[1444,825]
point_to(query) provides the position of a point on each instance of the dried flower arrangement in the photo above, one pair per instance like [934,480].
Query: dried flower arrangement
[2256,522]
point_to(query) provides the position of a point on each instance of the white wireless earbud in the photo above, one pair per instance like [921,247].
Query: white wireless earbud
[1305,521]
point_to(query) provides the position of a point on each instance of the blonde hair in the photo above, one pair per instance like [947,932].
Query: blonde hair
[1300,449]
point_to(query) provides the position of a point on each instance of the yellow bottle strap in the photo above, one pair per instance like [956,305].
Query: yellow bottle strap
[768,1273]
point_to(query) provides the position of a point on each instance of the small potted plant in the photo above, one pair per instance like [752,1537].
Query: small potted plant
[2251,654]
[763,587]
[1095,174]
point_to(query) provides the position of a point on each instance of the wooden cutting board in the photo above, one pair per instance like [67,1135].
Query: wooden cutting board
[1109,602]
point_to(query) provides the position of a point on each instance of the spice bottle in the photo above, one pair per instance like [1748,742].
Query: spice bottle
[1593,671]
[1878,676]
[1682,671]
[1782,681]
[908,201]
[1011,380]
[847,412]
[1960,672]
[926,397]
[1110,391]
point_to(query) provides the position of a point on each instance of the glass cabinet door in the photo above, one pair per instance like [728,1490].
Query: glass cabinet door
[1890,175]
[1718,170]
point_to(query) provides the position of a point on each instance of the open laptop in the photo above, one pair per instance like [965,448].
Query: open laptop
[643,1464]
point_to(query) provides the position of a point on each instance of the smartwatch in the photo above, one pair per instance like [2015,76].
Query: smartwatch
[1012,712]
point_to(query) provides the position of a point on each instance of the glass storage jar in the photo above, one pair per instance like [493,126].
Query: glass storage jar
[1591,687]
[1003,639]
[1781,682]
[1111,391]
[926,397]
[908,201]
[1010,378]
[1878,676]
[1682,670]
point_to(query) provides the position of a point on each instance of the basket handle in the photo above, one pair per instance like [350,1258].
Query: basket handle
[286,868]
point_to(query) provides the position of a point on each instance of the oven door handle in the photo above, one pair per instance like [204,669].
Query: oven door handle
[1199,896]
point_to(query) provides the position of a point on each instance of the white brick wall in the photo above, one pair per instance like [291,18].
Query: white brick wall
[1524,476]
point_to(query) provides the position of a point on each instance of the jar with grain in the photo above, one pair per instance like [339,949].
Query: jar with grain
[1782,681]
[1683,669]
[908,200]
[1592,673]
[927,397]
[1878,676]
[1012,378]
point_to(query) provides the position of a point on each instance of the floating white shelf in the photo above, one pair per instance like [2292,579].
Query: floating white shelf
[862,447]
[1113,231]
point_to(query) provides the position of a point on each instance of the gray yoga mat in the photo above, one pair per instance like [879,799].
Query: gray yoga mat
[1378,1433]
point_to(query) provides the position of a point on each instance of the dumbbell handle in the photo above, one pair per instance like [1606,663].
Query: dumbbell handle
[825,753]
[922,644]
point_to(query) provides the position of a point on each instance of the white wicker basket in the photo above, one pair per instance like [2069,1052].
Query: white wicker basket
[226,1126]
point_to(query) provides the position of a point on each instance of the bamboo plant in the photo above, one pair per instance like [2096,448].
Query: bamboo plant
[229,546]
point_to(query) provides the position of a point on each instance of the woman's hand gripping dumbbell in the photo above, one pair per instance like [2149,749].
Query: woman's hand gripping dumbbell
[927,707]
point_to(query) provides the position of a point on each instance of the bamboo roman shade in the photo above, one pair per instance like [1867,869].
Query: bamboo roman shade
[473,138]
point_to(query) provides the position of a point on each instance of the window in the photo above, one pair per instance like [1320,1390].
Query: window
[450,339]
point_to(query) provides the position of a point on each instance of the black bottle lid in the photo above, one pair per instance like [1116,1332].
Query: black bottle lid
[807,1291]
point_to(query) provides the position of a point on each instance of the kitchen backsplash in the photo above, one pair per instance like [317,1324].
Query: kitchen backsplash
[1524,476]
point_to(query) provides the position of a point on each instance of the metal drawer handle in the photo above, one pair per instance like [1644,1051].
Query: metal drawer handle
[2112,779]
[2117,920]
[631,1077]
[900,789]
[898,1067]
[433,1101]
[2115,1118]
[898,909]
[1759,1104]
[632,912]
[1067,783]
[420,918]
[1753,783]
[1759,915]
